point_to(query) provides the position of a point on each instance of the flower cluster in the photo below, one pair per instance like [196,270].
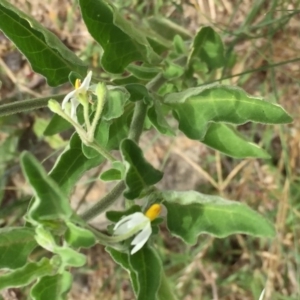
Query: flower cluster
[80,93]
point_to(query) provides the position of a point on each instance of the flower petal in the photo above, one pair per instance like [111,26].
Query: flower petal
[74,105]
[141,238]
[127,223]
[86,82]
[67,98]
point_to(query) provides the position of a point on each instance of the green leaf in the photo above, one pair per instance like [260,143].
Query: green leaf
[101,137]
[52,287]
[142,72]
[45,51]
[16,244]
[67,257]
[70,257]
[172,70]
[147,267]
[25,275]
[139,173]
[122,259]
[72,164]
[194,108]
[191,213]
[179,45]
[228,141]
[208,46]
[116,99]
[158,120]
[121,42]
[57,125]
[116,173]
[138,92]
[126,80]
[119,128]
[78,237]
[55,141]
[111,174]
[50,202]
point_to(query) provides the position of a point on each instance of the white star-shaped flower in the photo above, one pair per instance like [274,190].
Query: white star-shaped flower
[138,222]
[80,89]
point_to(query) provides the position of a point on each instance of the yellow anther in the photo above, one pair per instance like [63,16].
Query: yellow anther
[153,211]
[77,83]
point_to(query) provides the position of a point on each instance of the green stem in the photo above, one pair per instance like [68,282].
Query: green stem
[105,202]
[138,119]
[165,292]
[86,116]
[26,105]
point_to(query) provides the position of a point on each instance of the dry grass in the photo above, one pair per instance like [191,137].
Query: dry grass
[237,268]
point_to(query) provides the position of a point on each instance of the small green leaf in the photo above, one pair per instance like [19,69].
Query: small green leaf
[179,45]
[72,164]
[78,237]
[116,99]
[147,267]
[209,48]
[25,275]
[101,137]
[111,175]
[45,51]
[172,70]
[57,125]
[142,72]
[54,141]
[119,128]
[158,43]
[116,173]
[158,120]
[191,213]
[126,80]
[16,243]
[194,108]
[122,43]
[138,92]
[70,257]
[139,173]
[52,287]
[228,141]
[122,259]
[50,202]
[67,257]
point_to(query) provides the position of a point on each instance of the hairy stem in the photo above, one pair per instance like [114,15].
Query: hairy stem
[138,119]
[26,105]
[105,202]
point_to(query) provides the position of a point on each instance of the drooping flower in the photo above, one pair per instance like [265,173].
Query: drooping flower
[138,222]
[81,89]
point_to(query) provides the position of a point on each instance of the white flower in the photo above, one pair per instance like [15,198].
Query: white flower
[138,222]
[261,297]
[80,89]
